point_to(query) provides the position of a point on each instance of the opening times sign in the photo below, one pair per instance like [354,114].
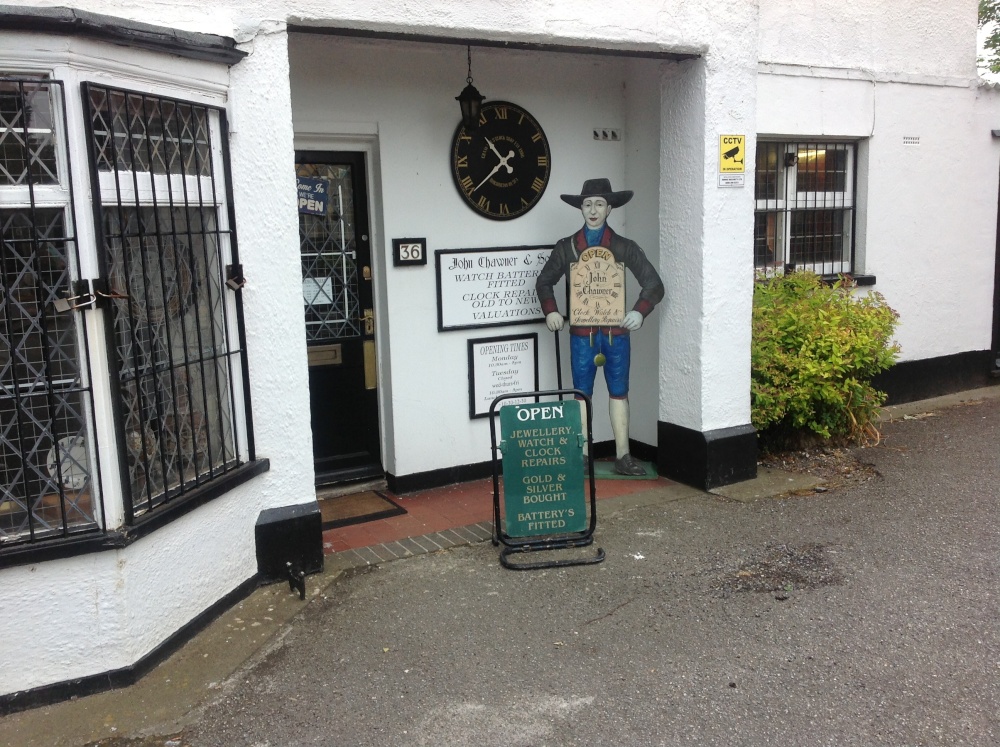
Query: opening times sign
[498,366]
[542,445]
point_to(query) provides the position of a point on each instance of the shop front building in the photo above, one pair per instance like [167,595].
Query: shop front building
[247,252]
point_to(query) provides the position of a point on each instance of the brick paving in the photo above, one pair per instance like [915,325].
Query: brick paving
[453,515]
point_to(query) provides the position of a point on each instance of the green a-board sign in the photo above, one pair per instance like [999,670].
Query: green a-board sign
[542,446]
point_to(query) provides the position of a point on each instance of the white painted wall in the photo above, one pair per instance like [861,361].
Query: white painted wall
[611,24]
[927,213]
[104,611]
[922,37]
[705,334]
[405,92]
[931,216]
[642,175]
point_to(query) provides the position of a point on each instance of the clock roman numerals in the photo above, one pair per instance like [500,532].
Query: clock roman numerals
[501,169]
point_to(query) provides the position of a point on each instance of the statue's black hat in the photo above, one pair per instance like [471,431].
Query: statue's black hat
[598,188]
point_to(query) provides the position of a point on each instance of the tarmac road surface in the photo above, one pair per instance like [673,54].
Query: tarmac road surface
[879,625]
[861,616]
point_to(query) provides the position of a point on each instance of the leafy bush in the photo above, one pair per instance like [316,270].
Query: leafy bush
[815,350]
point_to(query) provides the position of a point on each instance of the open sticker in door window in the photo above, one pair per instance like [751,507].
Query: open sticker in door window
[314,195]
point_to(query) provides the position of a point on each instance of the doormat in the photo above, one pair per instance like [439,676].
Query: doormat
[605,470]
[356,509]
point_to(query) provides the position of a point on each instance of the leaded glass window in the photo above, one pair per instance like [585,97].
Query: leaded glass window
[165,242]
[48,488]
[27,132]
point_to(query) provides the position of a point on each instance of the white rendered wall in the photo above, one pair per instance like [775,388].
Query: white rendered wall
[611,24]
[103,611]
[920,38]
[705,230]
[642,175]
[931,215]
[926,213]
[405,92]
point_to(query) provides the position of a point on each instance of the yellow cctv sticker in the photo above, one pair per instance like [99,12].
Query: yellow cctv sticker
[732,154]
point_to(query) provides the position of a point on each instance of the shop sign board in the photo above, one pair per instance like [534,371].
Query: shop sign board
[501,365]
[313,195]
[543,479]
[488,287]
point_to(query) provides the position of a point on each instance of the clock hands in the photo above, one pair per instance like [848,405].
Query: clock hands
[503,160]
[502,165]
[495,170]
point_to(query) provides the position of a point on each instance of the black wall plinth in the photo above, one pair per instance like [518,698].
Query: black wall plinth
[289,534]
[706,460]
[910,381]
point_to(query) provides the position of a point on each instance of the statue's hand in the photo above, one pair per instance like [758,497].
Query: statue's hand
[554,321]
[632,321]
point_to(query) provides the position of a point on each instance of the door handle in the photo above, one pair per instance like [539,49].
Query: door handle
[369,319]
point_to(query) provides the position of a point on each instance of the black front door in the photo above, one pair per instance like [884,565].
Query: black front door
[340,325]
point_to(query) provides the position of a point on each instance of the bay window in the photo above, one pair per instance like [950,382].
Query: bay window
[153,302]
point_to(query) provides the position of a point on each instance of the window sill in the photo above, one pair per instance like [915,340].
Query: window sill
[97,541]
[859,280]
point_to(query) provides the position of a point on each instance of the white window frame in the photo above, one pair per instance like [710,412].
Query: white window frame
[59,197]
[788,200]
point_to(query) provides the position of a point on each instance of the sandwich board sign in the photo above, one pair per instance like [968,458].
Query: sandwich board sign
[543,468]
[544,503]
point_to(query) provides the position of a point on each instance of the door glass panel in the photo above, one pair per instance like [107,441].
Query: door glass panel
[329,255]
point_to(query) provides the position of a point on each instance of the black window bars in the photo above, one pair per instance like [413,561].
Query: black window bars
[49,488]
[163,208]
[805,206]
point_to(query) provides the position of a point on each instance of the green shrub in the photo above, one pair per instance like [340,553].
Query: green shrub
[815,350]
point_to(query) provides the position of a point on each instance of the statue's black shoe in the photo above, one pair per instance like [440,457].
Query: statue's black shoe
[627,465]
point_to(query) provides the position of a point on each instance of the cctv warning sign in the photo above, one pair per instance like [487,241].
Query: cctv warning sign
[732,154]
[732,160]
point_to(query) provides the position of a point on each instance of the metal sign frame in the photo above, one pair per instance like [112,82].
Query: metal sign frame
[514,545]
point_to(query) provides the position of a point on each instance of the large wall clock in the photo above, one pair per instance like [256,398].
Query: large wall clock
[502,167]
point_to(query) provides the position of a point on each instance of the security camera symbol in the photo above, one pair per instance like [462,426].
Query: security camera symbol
[731,154]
